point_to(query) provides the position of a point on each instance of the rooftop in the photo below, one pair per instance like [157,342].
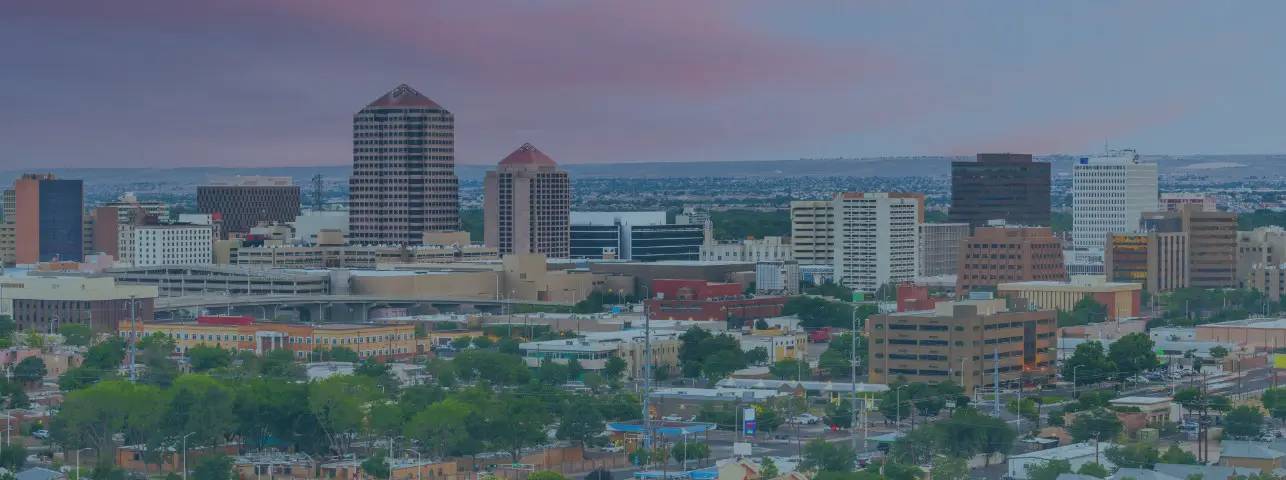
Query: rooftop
[1069,452]
[1236,449]
[1139,400]
[1206,471]
[403,96]
[528,155]
[1252,323]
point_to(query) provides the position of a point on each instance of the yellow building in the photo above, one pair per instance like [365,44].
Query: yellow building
[1120,298]
[382,341]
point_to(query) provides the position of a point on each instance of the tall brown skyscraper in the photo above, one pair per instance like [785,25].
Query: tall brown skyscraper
[1000,186]
[527,204]
[403,181]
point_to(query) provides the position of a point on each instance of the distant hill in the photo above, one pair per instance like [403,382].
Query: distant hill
[1230,167]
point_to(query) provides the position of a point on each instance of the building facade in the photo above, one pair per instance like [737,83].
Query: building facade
[1120,298]
[594,350]
[129,201]
[641,236]
[1003,254]
[1109,195]
[767,249]
[245,202]
[1269,279]
[527,204]
[1000,186]
[701,300]
[1211,244]
[877,238]
[1157,259]
[49,220]
[1261,246]
[45,303]
[961,342]
[812,231]
[403,181]
[156,245]
[1172,202]
[940,245]
[777,277]
[370,341]
[8,205]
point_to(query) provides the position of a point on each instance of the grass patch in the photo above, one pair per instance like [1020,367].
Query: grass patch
[1051,399]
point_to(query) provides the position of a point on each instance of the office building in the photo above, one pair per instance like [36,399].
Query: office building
[594,349]
[8,205]
[640,236]
[777,277]
[1003,254]
[1267,278]
[177,244]
[245,202]
[49,222]
[1261,246]
[129,201]
[877,238]
[696,216]
[403,181]
[8,240]
[1157,257]
[309,224]
[527,204]
[750,250]
[45,303]
[959,341]
[940,248]
[380,341]
[1120,298]
[812,231]
[1000,186]
[332,252]
[1210,244]
[1171,202]
[1109,195]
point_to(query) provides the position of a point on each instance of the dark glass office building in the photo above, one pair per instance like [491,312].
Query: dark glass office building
[50,219]
[613,235]
[1000,186]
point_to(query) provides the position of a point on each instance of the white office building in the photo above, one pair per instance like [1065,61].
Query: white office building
[877,238]
[173,245]
[777,277]
[767,249]
[1110,194]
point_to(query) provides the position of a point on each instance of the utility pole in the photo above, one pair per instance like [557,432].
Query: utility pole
[853,378]
[1203,443]
[647,379]
[133,336]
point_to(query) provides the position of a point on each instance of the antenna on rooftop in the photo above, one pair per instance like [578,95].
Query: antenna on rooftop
[318,190]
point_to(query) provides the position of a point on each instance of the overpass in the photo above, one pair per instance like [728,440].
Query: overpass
[355,307]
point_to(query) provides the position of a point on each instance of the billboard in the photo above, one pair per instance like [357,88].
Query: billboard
[1279,360]
[748,422]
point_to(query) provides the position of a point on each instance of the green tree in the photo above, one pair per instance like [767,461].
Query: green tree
[76,334]
[89,418]
[7,326]
[822,456]
[377,465]
[593,381]
[509,346]
[689,451]
[483,341]
[788,369]
[30,370]
[551,373]
[757,355]
[1096,470]
[546,475]
[1176,456]
[13,457]
[1132,354]
[205,358]
[574,369]
[839,414]
[213,467]
[950,468]
[1095,424]
[614,367]
[721,364]
[769,469]
[1089,364]
[601,474]
[104,357]
[519,422]
[461,342]
[1244,421]
[1028,408]
[1084,312]
[341,354]
[199,405]
[581,423]
[1274,400]
[156,341]
[440,427]
[1218,352]
[1134,455]
[339,403]
[381,373]
[1049,470]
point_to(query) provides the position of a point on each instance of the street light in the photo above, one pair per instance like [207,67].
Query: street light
[899,405]
[185,454]
[419,465]
[78,461]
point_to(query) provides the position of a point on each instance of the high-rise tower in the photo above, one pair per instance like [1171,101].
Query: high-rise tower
[1110,194]
[403,181]
[1000,186]
[527,204]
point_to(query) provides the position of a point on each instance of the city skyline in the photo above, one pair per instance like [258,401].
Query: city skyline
[240,83]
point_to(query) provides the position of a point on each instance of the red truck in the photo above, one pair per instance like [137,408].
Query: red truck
[820,335]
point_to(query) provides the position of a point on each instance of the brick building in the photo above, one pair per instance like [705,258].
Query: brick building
[527,204]
[1002,254]
[701,300]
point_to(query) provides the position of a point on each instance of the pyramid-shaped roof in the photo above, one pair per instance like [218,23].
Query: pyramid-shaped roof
[403,96]
[528,155]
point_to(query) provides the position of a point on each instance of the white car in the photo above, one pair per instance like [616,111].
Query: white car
[672,418]
[613,449]
[810,419]
[40,434]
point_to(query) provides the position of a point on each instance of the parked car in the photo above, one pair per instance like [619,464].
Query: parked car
[40,434]
[672,418]
[1155,377]
[613,449]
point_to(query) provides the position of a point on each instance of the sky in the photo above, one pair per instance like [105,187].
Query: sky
[248,83]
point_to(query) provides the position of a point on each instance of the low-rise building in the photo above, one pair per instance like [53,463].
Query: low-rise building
[384,340]
[959,341]
[749,250]
[275,465]
[594,349]
[1262,333]
[399,469]
[701,300]
[779,344]
[777,277]
[1076,454]
[1157,409]
[45,303]
[1233,453]
[1120,298]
